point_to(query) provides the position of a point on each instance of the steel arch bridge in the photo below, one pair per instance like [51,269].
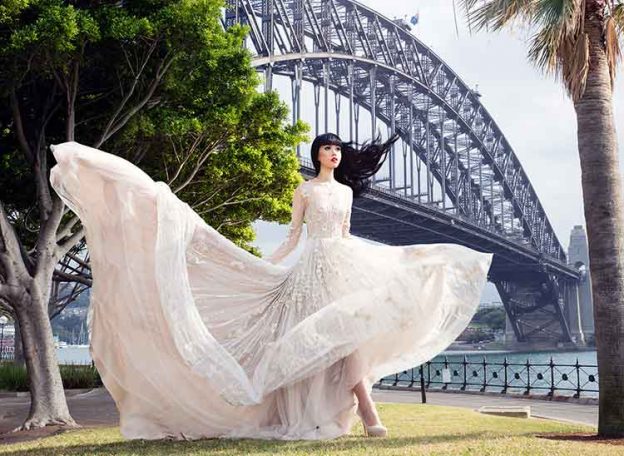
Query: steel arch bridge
[453,177]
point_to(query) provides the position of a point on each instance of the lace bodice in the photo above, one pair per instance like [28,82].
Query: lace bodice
[325,207]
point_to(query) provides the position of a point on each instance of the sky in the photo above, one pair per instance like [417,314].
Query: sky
[532,109]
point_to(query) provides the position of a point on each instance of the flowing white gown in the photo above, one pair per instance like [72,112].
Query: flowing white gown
[195,337]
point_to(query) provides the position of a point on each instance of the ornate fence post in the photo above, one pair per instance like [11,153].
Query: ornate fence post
[552,377]
[484,375]
[465,364]
[428,373]
[445,385]
[578,379]
[423,394]
[505,364]
[528,385]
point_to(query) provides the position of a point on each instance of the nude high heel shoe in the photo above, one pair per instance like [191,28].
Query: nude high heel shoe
[377,430]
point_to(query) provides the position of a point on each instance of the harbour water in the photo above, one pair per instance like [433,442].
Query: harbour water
[79,354]
[73,354]
[587,357]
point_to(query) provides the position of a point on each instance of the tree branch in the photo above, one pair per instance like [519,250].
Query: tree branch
[10,250]
[67,229]
[71,241]
[4,293]
[46,204]
[19,127]
[230,223]
[5,304]
[106,133]
[230,203]
[188,156]
[208,150]
[46,241]
[71,95]
[219,189]
[110,130]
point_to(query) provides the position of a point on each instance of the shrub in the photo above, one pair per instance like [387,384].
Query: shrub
[13,377]
[80,376]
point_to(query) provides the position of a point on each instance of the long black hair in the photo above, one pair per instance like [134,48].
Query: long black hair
[359,162]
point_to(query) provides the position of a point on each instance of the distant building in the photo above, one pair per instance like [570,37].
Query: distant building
[580,312]
[490,305]
[7,342]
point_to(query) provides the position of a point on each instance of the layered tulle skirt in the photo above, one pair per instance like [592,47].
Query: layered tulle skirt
[195,337]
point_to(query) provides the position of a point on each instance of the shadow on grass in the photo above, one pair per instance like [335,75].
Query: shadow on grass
[585,437]
[245,446]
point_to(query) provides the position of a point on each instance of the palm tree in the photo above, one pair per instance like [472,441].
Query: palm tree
[577,42]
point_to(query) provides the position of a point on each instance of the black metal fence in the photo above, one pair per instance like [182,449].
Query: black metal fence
[504,377]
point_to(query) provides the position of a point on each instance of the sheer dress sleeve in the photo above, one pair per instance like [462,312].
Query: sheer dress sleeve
[294,230]
[346,224]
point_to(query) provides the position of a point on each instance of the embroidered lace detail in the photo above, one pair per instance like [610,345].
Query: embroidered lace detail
[325,207]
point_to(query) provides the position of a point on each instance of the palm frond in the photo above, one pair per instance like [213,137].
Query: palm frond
[559,24]
[617,13]
[558,47]
[495,14]
[612,46]
[574,61]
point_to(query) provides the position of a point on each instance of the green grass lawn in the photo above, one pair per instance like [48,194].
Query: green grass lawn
[414,430]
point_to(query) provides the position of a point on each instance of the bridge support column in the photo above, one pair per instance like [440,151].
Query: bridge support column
[326,95]
[351,78]
[337,106]
[443,158]
[296,82]
[268,78]
[578,256]
[411,148]
[428,153]
[373,103]
[317,102]
[535,307]
[392,115]
[573,312]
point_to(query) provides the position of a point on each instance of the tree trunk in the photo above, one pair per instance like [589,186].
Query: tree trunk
[48,404]
[602,198]
[18,348]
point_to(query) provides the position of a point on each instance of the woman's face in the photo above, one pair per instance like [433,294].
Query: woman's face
[329,155]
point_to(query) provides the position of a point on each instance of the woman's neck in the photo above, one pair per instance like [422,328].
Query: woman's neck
[325,175]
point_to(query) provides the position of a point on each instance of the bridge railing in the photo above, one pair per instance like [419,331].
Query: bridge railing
[505,377]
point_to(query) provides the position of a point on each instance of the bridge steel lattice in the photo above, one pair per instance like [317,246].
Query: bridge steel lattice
[453,177]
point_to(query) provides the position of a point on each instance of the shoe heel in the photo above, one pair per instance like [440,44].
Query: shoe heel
[378,430]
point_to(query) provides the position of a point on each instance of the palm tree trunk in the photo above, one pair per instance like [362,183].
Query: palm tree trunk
[602,198]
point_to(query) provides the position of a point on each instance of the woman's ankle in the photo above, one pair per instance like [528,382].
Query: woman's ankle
[369,415]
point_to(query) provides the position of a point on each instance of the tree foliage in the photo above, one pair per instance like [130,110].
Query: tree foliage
[157,82]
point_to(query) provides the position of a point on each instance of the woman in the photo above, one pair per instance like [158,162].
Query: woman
[195,337]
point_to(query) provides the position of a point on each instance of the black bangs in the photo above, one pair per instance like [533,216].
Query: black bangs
[359,161]
[328,139]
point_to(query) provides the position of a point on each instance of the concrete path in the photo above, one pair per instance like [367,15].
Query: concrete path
[556,410]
